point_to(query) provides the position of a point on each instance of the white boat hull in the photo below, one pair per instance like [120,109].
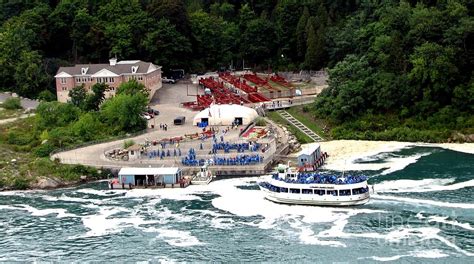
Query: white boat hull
[314,198]
[201,182]
[324,200]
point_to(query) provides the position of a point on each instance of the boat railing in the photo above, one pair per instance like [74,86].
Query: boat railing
[323,179]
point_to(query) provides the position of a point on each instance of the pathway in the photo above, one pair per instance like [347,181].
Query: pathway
[296,123]
[9,120]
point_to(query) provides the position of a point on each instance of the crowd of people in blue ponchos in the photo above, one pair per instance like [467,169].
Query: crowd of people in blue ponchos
[308,178]
[191,160]
[240,147]
[163,153]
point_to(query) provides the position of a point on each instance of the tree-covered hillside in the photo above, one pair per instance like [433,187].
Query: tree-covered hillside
[398,59]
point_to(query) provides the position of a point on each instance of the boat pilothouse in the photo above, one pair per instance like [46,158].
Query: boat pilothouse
[311,188]
[203,177]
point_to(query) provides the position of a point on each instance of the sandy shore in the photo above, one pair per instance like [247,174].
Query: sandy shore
[343,153]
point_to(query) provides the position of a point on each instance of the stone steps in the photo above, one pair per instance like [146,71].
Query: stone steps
[296,123]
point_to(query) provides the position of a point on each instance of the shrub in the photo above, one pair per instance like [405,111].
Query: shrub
[47,96]
[260,122]
[21,184]
[128,143]
[12,103]
[44,150]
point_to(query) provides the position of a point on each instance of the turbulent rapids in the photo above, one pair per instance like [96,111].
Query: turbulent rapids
[421,210]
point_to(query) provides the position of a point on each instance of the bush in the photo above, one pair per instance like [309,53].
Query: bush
[128,143]
[12,103]
[44,150]
[20,184]
[47,96]
[260,121]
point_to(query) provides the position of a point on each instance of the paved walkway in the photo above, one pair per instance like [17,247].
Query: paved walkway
[5,121]
[25,102]
[296,123]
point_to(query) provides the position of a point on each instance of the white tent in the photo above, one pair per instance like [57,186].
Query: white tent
[225,115]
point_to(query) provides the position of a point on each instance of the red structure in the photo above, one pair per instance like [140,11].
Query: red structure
[219,95]
[253,95]
[280,80]
[260,82]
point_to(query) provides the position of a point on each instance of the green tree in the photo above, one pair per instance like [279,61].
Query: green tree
[124,112]
[315,47]
[301,36]
[88,127]
[259,41]
[132,87]
[55,114]
[93,100]
[78,96]
[47,96]
[174,11]
[166,45]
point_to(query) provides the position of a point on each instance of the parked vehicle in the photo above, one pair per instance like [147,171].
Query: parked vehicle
[168,80]
[153,111]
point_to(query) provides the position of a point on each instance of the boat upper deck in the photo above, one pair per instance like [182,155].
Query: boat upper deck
[312,178]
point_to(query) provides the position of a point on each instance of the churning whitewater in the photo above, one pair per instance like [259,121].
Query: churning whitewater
[422,211]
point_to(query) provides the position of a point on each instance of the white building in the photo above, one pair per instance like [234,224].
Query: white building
[226,115]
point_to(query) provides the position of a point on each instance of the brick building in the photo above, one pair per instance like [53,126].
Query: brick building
[113,74]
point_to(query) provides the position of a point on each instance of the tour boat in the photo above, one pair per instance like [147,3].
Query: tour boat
[203,177]
[311,188]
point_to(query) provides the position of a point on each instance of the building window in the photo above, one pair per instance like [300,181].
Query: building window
[111,80]
[64,88]
[63,80]
[140,78]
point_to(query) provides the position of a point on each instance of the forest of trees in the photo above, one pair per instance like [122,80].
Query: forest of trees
[385,57]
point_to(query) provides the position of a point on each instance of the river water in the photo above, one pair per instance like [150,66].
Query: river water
[423,211]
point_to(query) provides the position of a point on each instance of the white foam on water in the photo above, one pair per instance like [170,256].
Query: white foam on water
[222,223]
[177,238]
[102,223]
[400,163]
[61,213]
[423,233]
[384,259]
[433,253]
[425,185]
[101,192]
[66,198]
[178,194]
[444,220]
[376,197]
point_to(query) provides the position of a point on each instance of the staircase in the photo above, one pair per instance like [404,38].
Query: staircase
[296,123]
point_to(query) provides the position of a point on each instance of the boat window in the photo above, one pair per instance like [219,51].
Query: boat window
[332,192]
[295,190]
[320,192]
[283,190]
[307,191]
[359,191]
[344,192]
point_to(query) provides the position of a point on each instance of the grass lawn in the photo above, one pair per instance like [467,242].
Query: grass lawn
[300,136]
[308,120]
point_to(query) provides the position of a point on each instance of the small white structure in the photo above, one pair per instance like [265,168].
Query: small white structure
[149,176]
[134,152]
[309,154]
[226,115]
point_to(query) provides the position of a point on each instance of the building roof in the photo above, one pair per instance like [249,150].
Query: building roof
[120,68]
[225,114]
[149,171]
[309,149]
[134,147]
